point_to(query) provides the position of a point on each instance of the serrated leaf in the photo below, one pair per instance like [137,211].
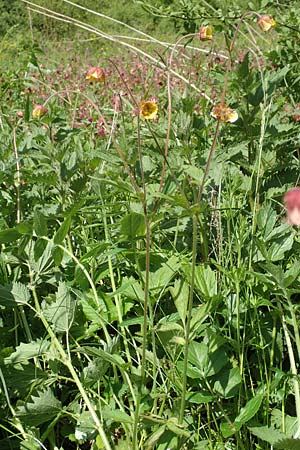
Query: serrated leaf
[267,434]
[61,312]
[278,248]
[41,408]
[26,351]
[207,363]
[85,427]
[11,295]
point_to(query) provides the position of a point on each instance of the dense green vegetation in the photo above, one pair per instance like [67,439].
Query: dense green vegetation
[149,277]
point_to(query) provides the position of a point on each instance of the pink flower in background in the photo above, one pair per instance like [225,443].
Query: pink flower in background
[292,204]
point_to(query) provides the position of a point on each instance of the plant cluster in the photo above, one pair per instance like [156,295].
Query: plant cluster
[149,276]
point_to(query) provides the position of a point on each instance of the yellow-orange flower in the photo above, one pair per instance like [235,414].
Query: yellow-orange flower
[206,33]
[95,75]
[148,109]
[266,22]
[223,113]
[39,111]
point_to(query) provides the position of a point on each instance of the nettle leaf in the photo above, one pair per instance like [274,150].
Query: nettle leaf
[61,312]
[40,223]
[26,351]
[267,434]
[85,427]
[16,293]
[41,408]
[278,248]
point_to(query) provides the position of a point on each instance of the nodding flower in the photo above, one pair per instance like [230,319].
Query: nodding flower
[292,205]
[95,75]
[206,33]
[266,22]
[39,111]
[223,113]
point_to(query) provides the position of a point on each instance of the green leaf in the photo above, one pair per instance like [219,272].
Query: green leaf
[85,427]
[206,281]
[278,248]
[248,411]
[208,363]
[61,312]
[63,230]
[12,295]
[9,235]
[288,444]
[228,383]
[40,223]
[133,225]
[161,278]
[199,397]
[267,434]
[26,351]
[266,220]
[41,408]
[180,294]
[116,415]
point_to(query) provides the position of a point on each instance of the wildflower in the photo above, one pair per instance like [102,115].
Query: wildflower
[205,33]
[95,75]
[148,109]
[39,111]
[266,22]
[223,113]
[292,204]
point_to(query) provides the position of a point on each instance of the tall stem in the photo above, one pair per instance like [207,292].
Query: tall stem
[68,363]
[188,321]
[293,370]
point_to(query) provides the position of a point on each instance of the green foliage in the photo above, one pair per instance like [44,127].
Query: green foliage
[149,286]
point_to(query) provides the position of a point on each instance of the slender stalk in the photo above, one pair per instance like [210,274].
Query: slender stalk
[68,363]
[188,321]
[144,332]
[293,370]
